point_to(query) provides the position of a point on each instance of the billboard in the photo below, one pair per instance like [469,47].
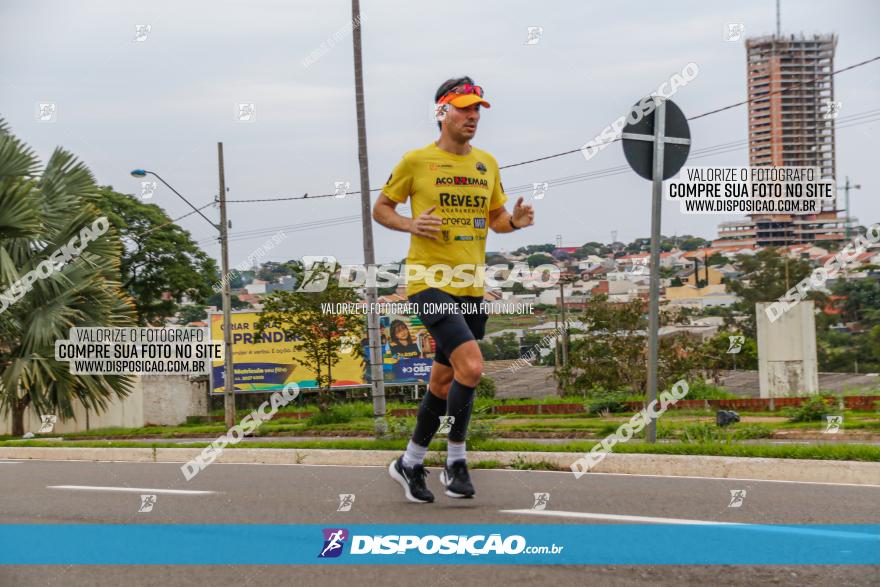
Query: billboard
[266,364]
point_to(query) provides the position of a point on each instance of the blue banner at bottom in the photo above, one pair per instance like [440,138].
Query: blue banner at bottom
[432,544]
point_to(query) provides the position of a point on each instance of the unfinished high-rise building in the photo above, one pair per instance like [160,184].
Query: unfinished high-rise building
[791,123]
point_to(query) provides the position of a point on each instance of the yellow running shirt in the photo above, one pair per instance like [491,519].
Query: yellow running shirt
[464,188]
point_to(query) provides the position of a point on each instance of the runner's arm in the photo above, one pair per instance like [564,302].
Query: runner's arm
[523,215]
[385,213]
[499,220]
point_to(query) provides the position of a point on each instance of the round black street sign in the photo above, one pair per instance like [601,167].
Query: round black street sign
[639,152]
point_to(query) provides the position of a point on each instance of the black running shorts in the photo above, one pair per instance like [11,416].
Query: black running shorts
[451,320]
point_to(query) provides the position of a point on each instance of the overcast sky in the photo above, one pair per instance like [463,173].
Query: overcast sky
[164,102]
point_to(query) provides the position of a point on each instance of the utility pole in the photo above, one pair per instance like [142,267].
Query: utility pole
[706,263]
[377,377]
[229,377]
[564,324]
[846,187]
[556,340]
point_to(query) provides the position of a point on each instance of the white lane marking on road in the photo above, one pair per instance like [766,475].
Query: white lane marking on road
[8,462]
[681,521]
[131,489]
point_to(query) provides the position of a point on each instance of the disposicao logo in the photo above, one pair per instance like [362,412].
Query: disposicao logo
[334,541]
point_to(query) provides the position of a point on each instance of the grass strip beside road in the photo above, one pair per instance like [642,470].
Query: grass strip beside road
[836,452]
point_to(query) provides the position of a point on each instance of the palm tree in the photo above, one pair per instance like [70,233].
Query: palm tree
[41,211]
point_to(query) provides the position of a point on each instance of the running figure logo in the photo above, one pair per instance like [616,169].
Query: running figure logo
[539,189]
[147,503]
[641,266]
[737,496]
[141,31]
[346,500]
[446,423]
[736,344]
[541,501]
[832,109]
[47,423]
[148,188]
[317,271]
[832,426]
[535,33]
[334,540]
[735,31]
[340,189]
[47,112]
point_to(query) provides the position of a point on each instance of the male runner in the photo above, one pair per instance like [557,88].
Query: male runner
[456,195]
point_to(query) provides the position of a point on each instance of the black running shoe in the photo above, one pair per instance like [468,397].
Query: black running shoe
[413,481]
[456,479]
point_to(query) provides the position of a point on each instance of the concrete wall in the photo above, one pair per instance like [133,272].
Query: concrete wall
[787,362]
[166,399]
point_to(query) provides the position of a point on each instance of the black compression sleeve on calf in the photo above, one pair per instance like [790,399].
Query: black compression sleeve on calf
[460,403]
[428,418]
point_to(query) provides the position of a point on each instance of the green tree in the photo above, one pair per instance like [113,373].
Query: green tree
[592,248]
[502,347]
[717,259]
[717,351]
[160,263]
[41,211]
[842,351]
[320,335]
[192,313]
[496,259]
[530,249]
[271,270]
[862,300]
[235,302]
[692,243]
[614,355]
[539,259]
[766,277]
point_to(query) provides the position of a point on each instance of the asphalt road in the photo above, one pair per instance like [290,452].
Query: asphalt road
[64,492]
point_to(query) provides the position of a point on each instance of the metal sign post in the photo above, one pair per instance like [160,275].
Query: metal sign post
[643,158]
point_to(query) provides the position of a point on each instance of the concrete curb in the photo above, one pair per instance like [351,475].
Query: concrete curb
[852,472]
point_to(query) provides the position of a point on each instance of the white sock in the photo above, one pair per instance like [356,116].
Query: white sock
[455,451]
[414,455]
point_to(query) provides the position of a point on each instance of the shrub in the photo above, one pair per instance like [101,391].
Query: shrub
[699,389]
[341,414]
[752,431]
[485,388]
[812,410]
[610,401]
[399,427]
[478,431]
[701,433]
[709,432]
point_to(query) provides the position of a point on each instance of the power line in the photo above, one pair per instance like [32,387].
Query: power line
[791,87]
[572,151]
[856,119]
[137,236]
